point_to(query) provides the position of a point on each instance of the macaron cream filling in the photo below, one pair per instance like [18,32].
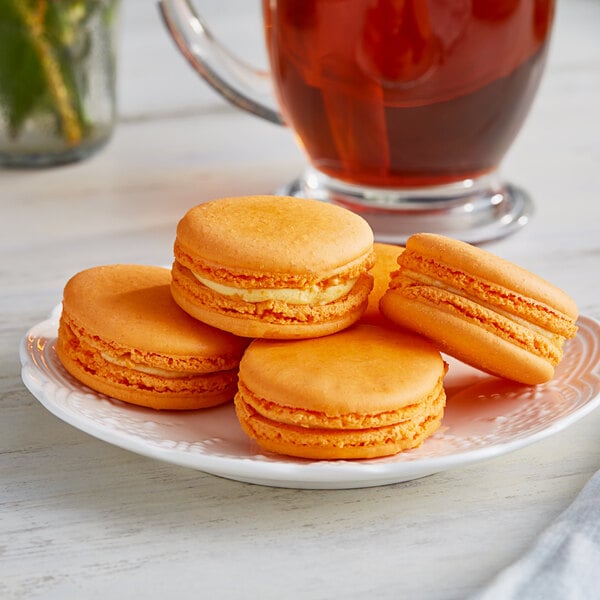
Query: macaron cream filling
[420,278]
[408,279]
[315,295]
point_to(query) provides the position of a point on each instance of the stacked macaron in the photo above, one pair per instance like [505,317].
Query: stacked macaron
[328,343]
[273,267]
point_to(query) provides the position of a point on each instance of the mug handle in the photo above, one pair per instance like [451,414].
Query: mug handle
[244,86]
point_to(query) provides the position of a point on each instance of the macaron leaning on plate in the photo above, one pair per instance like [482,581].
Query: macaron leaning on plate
[365,392]
[480,308]
[121,334]
[272,266]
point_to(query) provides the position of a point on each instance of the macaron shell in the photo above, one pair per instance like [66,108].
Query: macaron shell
[468,341]
[482,264]
[364,369]
[274,234]
[269,319]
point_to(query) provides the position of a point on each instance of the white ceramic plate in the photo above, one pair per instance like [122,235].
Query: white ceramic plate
[485,417]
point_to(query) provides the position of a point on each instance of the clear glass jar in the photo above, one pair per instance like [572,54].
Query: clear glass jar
[57,80]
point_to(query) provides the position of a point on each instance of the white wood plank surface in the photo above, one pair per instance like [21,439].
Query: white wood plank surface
[82,519]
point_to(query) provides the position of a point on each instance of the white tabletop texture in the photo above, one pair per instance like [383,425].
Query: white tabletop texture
[82,519]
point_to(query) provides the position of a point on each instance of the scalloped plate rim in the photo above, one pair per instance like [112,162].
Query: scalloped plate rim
[279,471]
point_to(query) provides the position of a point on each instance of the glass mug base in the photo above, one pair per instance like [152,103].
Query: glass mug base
[473,210]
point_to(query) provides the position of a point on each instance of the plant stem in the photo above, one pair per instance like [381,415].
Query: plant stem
[69,122]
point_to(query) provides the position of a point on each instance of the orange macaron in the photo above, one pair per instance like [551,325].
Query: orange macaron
[386,262]
[365,392]
[273,266]
[480,308]
[121,334]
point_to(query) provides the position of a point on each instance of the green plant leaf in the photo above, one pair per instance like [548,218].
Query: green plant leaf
[22,81]
[44,46]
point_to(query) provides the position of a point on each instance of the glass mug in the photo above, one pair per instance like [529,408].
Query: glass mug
[404,108]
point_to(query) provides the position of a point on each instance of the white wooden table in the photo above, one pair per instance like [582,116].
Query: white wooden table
[80,518]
